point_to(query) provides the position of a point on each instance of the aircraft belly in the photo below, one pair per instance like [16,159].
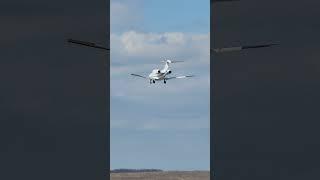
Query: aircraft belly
[158,77]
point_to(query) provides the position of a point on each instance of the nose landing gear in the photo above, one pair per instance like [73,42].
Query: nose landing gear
[164,81]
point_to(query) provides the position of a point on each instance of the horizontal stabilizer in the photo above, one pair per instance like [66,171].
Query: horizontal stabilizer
[176,61]
[89,44]
[170,61]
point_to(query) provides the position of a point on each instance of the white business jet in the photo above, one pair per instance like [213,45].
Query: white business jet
[162,74]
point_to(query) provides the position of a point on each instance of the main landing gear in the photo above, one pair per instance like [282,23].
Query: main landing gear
[153,81]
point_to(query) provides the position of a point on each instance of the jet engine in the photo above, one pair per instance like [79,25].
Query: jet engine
[169,72]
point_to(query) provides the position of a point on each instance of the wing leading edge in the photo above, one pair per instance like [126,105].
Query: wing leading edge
[137,75]
[179,77]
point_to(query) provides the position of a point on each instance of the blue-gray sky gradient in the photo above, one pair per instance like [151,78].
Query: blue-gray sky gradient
[160,126]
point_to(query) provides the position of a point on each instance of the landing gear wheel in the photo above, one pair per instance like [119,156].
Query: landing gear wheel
[154,81]
[165,81]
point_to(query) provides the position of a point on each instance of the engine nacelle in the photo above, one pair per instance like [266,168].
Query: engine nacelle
[156,71]
[169,72]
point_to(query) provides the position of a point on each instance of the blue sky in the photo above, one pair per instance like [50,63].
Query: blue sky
[177,15]
[160,126]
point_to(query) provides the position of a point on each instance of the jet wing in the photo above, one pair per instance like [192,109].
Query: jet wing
[137,75]
[178,77]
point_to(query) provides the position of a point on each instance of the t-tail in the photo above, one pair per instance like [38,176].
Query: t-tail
[166,68]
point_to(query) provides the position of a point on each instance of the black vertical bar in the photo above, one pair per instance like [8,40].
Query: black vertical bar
[53,96]
[212,152]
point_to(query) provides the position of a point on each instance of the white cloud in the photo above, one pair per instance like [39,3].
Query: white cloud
[140,43]
[161,45]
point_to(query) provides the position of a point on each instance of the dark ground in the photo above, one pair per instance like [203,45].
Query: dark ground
[166,175]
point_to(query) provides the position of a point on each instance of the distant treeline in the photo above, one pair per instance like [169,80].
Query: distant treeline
[134,170]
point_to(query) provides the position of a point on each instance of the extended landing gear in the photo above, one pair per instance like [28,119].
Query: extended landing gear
[152,81]
[164,81]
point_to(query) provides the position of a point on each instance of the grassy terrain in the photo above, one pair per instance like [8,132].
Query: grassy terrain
[165,175]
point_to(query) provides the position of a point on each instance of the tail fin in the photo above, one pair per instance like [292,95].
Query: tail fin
[166,65]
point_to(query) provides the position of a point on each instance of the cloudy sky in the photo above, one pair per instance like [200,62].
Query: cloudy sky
[160,126]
